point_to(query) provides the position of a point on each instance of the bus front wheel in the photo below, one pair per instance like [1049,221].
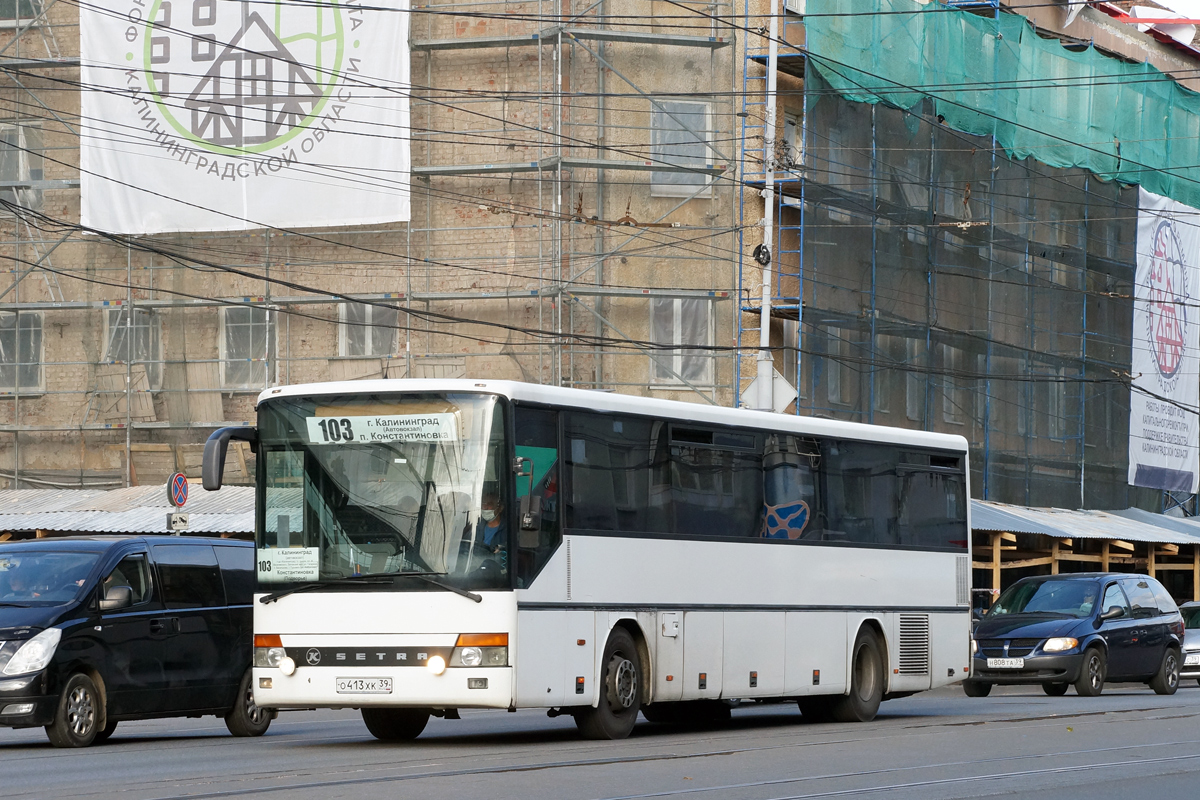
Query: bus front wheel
[395,724]
[866,681]
[620,691]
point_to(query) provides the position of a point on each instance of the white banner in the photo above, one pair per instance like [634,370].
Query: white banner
[210,115]
[1164,430]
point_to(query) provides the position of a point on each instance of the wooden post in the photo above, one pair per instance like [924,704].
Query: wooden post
[996,561]
[1104,557]
[1054,557]
[1151,549]
[1196,572]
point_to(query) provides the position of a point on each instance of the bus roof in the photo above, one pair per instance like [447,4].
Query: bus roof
[630,404]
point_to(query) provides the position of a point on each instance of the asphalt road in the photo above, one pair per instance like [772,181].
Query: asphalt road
[1129,743]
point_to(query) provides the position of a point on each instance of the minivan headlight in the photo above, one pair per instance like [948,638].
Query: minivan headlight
[1059,644]
[35,654]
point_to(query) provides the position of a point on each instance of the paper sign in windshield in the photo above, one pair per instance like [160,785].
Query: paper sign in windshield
[383,428]
[288,564]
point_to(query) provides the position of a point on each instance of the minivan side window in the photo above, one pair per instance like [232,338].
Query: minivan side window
[237,570]
[1141,598]
[131,572]
[1166,604]
[189,576]
[1114,598]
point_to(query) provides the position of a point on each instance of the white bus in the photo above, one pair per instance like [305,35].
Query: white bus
[426,546]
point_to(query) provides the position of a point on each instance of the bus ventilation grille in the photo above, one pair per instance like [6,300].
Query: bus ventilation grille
[962,577]
[914,644]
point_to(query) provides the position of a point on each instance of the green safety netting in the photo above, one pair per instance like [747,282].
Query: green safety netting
[997,77]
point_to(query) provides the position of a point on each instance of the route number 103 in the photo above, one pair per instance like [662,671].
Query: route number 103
[336,430]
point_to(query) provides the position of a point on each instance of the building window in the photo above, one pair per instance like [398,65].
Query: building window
[914,380]
[14,12]
[1056,406]
[247,347]
[21,160]
[838,375]
[147,341]
[20,351]
[682,132]
[954,386]
[367,330]
[787,150]
[678,323]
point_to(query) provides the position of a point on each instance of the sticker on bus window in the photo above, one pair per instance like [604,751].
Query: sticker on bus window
[287,564]
[383,428]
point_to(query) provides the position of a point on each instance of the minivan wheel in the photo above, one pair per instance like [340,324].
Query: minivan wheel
[77,715]
[246,718]
[1055,689]
[1166,680]
[977,688]
[1091,676]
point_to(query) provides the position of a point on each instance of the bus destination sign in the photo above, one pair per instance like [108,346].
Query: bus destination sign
[383,428]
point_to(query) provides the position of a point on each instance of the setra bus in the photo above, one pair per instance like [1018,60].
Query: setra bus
[425,546]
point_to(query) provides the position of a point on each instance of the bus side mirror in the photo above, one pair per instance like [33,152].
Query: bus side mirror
[215,450]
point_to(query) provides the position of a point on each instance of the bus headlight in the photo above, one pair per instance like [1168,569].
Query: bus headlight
[268,650]
[480,650]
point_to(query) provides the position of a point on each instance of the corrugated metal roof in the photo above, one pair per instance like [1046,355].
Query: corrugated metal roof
[1130,525]
[137,509]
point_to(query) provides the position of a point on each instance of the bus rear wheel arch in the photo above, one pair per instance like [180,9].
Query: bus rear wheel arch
[622,682]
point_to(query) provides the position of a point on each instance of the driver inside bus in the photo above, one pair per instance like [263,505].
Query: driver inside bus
[492,532]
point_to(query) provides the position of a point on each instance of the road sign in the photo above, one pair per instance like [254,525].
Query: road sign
[177,489]
[177,521]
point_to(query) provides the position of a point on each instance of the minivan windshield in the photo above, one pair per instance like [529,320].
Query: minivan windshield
[40,577]
[1065,598]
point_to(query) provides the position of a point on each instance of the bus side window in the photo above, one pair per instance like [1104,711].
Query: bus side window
[790,509]
[861,492]
[536,439]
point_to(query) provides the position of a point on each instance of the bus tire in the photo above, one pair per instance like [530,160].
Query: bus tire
[866,681]
[620,691]
[395,724]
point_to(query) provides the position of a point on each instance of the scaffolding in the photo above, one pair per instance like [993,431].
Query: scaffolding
[574,206]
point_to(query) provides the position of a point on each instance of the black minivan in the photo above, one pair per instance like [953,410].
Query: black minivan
[1081,629]
[95,630]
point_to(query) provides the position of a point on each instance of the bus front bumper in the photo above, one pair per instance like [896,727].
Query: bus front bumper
[413,687]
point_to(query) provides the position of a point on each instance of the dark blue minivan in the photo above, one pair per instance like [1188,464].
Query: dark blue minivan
[1079,630]
[96,630]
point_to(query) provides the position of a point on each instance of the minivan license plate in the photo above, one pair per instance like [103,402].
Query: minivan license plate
[364,685]
[1006,663]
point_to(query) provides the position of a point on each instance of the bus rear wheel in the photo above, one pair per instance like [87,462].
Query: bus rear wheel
[395,724]
[866,681]
[620,691]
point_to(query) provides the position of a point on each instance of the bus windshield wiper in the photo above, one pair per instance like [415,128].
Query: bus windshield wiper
[373,578]
[428,578]
[356,580]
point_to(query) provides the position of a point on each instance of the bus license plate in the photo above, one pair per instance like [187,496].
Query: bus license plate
[1006,663]
[364,685]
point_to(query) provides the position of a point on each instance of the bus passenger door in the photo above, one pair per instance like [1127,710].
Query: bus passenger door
[537,510]
[668,657]
[703,654]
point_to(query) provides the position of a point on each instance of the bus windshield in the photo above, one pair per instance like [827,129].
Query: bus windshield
[363,485]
